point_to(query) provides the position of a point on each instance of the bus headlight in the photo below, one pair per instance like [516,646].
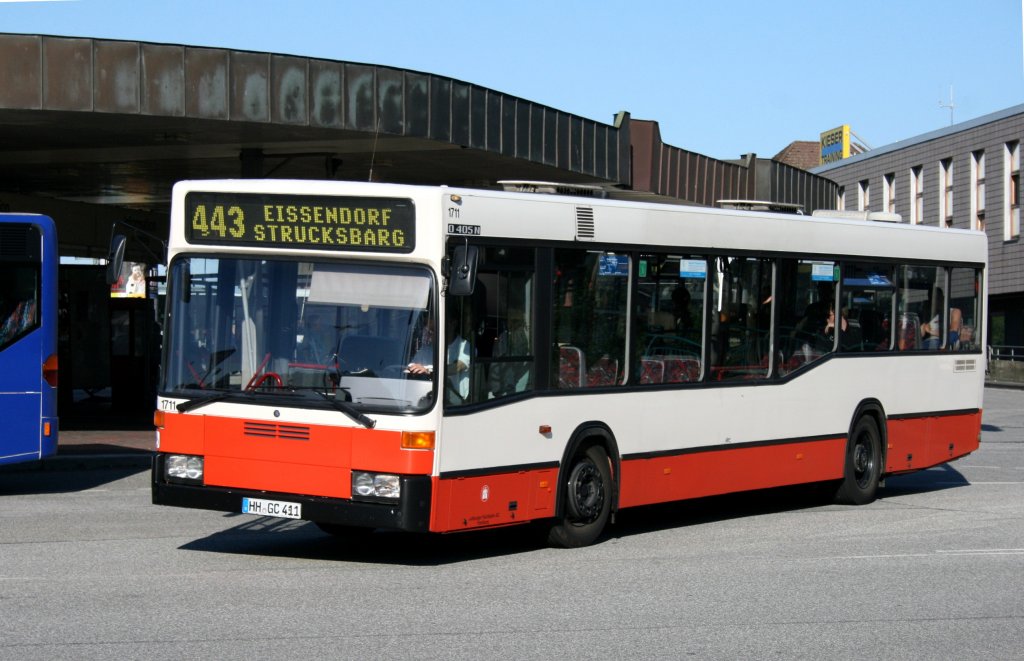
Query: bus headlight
[184,468]
[375,485]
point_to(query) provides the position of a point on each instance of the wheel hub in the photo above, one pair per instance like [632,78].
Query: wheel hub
[586,492]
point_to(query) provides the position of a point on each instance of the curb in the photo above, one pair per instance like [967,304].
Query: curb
[1009,385]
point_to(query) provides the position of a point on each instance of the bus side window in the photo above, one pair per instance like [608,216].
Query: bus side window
[922,308]
[591,291]
[741,318]
[667,323]
[497,322]
[867,301]
[806,294]
[964,285]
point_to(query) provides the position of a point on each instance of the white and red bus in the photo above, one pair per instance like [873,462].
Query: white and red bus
[366,355]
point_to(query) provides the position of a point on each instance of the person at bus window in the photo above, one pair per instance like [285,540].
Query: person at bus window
[136,285]
[931,332]
[21,317]
[511,377]
[681,309]
[852,337]
[956,322]
[825,340]
[816,313]
[422,363]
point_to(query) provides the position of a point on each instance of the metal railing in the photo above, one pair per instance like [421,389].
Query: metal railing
[1005,352]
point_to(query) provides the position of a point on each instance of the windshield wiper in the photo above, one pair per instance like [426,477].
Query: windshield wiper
[342,406]
[209,399]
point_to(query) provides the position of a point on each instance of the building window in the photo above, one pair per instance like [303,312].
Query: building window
[916,195]
[978,190]
[889,193]
[864,196]
[841,199]
[1011,188]
[946,193]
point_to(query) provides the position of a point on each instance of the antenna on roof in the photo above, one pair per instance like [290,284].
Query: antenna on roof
[949,105]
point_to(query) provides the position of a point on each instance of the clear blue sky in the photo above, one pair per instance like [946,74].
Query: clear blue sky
[722,78]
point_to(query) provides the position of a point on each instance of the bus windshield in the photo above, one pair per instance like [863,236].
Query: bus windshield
[315,332]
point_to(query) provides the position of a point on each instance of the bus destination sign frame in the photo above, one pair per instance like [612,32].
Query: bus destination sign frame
[301,222]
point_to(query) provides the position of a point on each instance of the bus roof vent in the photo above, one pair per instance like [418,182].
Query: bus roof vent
[551,188]
[584,223]
[878,216]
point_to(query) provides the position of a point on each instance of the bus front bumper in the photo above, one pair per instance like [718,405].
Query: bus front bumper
[411,513]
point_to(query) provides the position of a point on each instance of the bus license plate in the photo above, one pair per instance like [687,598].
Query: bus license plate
[277,508]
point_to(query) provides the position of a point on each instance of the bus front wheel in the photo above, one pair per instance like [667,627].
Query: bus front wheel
[587,500]
[863,465]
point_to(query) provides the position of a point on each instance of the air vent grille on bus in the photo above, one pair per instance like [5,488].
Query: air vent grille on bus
[19,242]
[965,365]
[584,223]
[273,430]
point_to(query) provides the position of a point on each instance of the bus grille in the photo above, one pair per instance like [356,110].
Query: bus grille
[273,430]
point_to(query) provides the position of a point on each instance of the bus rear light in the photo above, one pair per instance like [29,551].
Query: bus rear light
[158,419]
[50,370]
[184,468]
[418,440]
[46,429]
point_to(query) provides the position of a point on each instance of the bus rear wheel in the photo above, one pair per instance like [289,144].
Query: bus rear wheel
[863,465]
[587,502]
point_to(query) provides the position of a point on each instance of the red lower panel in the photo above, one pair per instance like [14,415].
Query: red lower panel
[464,503]
[695,475]
[283,477]
[916,443]
[313,460]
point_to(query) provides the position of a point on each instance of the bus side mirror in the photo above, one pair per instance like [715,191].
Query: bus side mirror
[463,274]
[115,258]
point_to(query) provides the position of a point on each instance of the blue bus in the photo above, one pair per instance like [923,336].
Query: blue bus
[28,337]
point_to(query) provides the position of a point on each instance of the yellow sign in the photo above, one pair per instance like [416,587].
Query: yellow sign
[835,144]
[296,221]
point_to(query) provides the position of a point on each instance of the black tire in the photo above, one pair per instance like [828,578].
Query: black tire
[586,500]
[863,466]
[342,531]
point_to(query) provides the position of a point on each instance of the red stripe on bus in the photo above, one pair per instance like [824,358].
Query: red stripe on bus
[700,474]
[915,443]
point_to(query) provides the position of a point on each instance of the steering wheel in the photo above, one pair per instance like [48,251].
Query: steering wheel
[263,377]
[257,378]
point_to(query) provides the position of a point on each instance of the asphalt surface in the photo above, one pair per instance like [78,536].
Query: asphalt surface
[934,569]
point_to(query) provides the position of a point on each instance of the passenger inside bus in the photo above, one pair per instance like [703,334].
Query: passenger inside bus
[422,364]
[931,332]
[508,377]
[19,308]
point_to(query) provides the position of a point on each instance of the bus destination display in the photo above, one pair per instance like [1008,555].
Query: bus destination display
[376,224]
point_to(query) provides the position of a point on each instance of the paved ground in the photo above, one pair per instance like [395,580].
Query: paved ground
[105,441]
